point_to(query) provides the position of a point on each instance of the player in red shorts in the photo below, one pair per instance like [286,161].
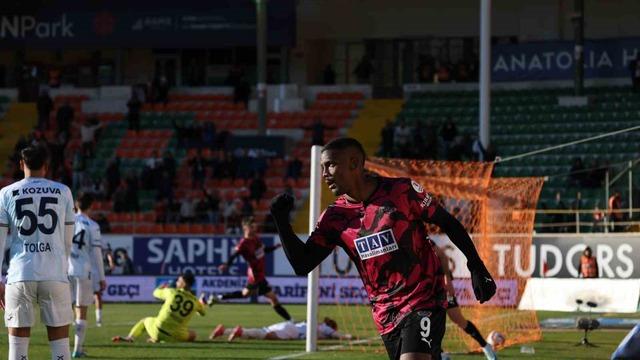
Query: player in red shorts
[252,250]
[380,223]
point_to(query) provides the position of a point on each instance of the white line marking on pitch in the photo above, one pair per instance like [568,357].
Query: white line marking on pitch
[324,348]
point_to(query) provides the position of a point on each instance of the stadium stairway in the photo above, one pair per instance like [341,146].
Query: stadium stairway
[19,120]
[366,128]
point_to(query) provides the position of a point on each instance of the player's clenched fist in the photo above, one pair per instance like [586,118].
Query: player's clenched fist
[281,206]
[483,285]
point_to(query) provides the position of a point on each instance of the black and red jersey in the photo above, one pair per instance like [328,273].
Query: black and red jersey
[386,239]
[252,250]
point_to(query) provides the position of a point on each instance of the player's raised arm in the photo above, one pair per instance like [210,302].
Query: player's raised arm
[303,257]
[483,285]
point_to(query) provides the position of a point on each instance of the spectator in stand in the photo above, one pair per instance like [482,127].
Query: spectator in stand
[425,71]
[294,169]
[364,70]
[160,209]
[598,219]
[233,216]
[44,105]
[576,206]
[125,262]
[462,73]
[246,209]
[187,210]
[443,73]
[577,174]
[242,92]
[328,75]
[120,198]
[212,200]
[131,194]
[257,188]
[88,136]
[165,187]
[113,176]
[431,141]
[64,119]
[169,164]
[402,139]
[133,116]
[387,132]
[163,90]
[317,132]
[228,167]
[209,135]
[616,216]
[448,133]
[198,170]
[56,150]
[559,219]
[79,167]
[588,265]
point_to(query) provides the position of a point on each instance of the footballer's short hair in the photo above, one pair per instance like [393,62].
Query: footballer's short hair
[346,143]
[188,278]
[35,156]
[248,220]
[84,201]
[331,323]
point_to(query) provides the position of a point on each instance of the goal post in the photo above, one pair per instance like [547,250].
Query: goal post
[313,278]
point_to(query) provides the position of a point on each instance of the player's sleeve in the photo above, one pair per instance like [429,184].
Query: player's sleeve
[161,293]
[4,225]
[424,205]
[69,221]
[305,256]
[96,246]
[200,308]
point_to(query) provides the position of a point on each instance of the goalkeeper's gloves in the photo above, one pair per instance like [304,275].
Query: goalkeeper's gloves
[483,285]
[281,206]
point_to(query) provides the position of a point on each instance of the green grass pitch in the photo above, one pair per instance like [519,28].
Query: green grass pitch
[118,319]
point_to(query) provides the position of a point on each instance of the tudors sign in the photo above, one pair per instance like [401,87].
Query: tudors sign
[558,256]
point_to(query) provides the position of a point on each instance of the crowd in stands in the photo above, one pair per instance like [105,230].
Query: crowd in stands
[428,141]
[72,147]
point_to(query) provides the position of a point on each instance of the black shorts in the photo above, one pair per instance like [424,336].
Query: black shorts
[263,287]
[421,331]
[452,302]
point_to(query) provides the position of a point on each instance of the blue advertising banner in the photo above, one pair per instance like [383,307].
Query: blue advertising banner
[554,60]
[188,24]
[167,255]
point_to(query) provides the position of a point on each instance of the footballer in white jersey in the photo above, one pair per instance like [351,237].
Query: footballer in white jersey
[85,264]
[286,330]
[39,215]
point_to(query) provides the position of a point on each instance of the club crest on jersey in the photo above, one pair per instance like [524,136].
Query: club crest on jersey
[417,187]
[376,244]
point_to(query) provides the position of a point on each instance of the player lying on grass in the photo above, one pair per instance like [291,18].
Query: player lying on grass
[380,223]
[286,330]
[171,323]
[453,309]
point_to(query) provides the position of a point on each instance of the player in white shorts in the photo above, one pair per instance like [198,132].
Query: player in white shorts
[85,265]
[97,288]
[286,330]
[39,214]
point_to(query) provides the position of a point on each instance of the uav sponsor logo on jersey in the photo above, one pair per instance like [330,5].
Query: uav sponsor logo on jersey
[376,244]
